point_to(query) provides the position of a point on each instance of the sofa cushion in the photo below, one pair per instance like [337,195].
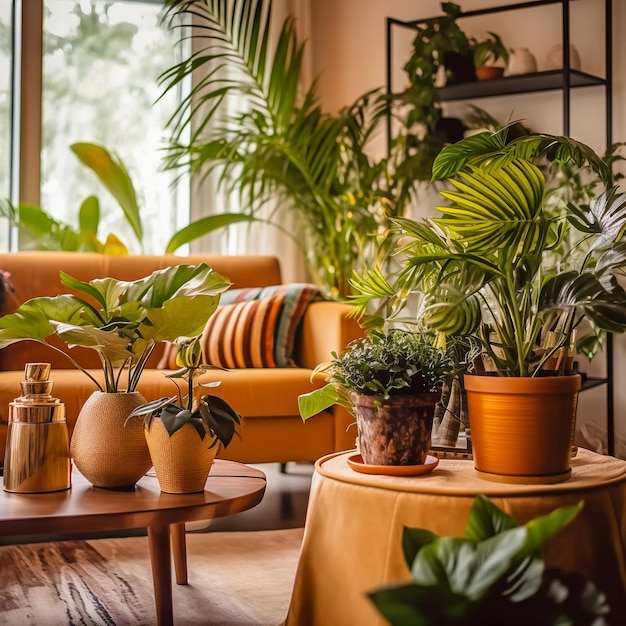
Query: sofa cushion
[257,327]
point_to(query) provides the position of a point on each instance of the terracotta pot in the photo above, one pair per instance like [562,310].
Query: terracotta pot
[485,72]
[522,428]
[183,461]
[107,450]
[395,431]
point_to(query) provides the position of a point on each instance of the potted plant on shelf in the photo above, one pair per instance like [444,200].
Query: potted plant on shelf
[390,381]
[123,322]
[493,569]
[185,432]
[486,53]
[525,281]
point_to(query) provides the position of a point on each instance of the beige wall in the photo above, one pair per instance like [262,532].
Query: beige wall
[348,52]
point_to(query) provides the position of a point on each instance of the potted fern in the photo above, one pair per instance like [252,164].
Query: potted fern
[390,382]
[527,282]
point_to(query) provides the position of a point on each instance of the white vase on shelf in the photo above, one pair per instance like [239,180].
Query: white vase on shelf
[521,61]
[554,60]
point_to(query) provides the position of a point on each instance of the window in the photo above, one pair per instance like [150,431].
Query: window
[100,63]
[6,39]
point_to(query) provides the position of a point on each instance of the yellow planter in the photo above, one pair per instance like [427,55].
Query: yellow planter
[183,461]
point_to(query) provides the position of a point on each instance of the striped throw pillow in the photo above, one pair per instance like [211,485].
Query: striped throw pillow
[257,327]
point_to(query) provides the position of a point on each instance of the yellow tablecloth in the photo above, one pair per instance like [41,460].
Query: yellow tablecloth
[352,537]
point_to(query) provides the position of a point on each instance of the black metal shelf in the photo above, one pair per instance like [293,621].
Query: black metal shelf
[552,80]
[564,81]
[590,382]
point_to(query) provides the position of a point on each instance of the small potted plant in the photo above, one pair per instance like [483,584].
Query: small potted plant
[185,432]
[486,53]
[522,279]
[390,381]
[122,321]
[493,569]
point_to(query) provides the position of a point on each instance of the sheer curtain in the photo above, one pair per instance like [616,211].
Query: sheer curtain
[206,198]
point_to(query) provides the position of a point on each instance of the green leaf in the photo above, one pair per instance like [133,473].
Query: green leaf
[220,417]
[204,226]
[89,216]
[413,540]
[318,400]
[33,319]
[114,176]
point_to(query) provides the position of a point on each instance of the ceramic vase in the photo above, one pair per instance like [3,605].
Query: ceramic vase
[182,462]
[107,448]
[522,427]
[397,430]
[521,61]
[554,60]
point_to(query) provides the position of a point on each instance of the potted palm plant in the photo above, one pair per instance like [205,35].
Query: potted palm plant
[186,431]
[123,322]
[283,155]
[525,281]
[390,381]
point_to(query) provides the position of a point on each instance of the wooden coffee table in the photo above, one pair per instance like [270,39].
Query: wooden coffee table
[231,488]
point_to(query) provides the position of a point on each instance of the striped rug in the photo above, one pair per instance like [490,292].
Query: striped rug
[235,579]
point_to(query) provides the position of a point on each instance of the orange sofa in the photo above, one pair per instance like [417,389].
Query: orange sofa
[265,396]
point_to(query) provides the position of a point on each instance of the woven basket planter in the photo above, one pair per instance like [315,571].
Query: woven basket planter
[107,450]
[183,461]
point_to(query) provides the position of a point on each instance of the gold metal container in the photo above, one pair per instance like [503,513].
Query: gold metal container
[37,456]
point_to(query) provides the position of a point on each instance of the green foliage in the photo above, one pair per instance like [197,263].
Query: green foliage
[396,362]
[114,176]
[282,153]
[121,321]
[208,414]
[433,39]
[488,265]
[493,569]
[489,50]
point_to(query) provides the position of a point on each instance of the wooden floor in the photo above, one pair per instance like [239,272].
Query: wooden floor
[283,506]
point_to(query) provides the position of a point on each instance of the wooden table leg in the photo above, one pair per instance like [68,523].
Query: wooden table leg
[179,550]
[159,540]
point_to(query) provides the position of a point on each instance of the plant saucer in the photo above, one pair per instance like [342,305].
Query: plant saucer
[356,463]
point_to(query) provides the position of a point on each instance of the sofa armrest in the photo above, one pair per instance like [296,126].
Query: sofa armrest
[326,326]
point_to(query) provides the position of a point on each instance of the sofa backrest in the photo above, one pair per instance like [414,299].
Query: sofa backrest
[33,274]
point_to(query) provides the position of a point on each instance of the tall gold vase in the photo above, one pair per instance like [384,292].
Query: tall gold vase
[107,450]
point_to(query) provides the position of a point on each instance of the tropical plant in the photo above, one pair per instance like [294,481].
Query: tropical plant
[391,363]
[494,570]
[281,153]
[208,414]
[422,128]
[121,320]
[496,264]
[38,230]
[489,50]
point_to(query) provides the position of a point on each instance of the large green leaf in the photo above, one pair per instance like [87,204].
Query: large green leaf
[113,174]
[33,319]
[204,226]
